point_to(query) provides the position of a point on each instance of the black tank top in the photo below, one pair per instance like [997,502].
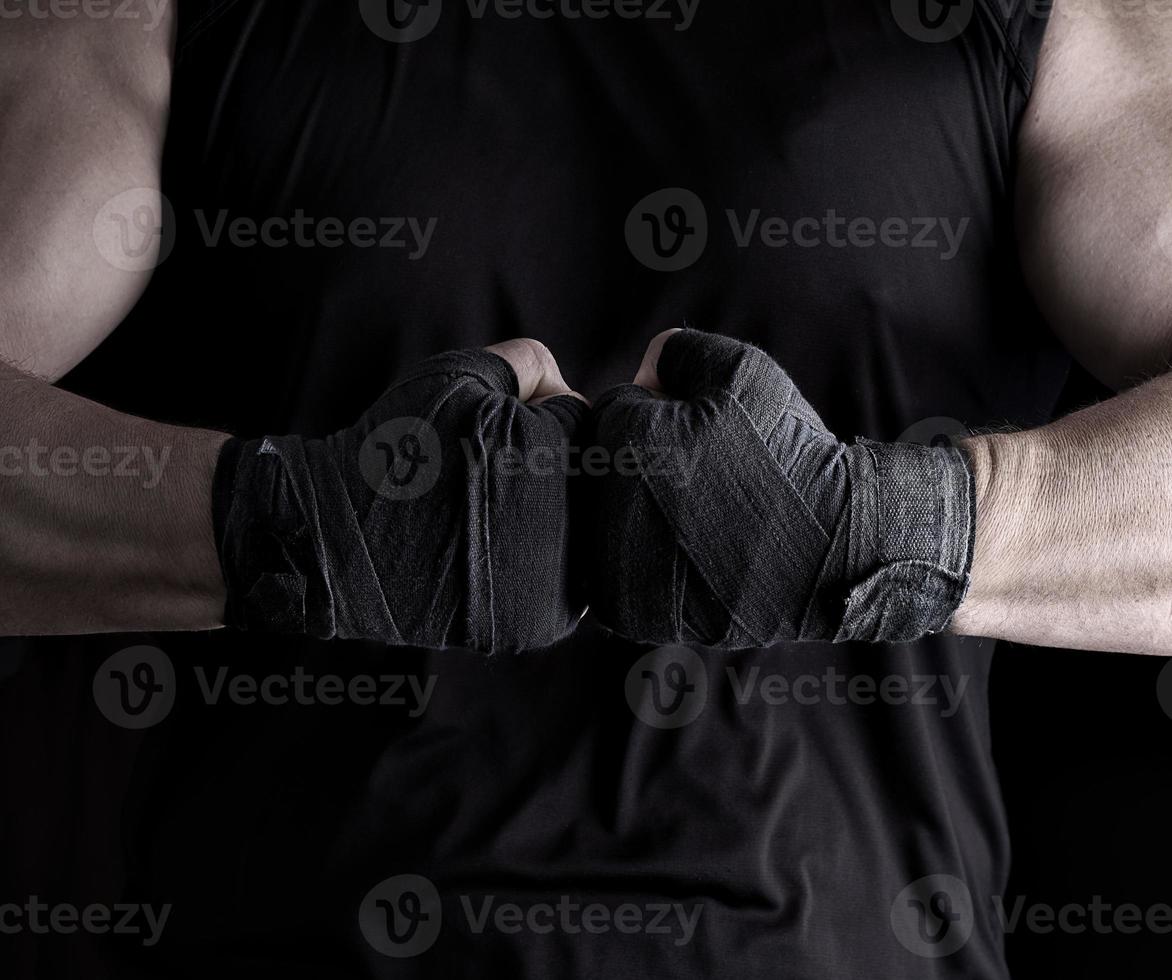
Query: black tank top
[830,179]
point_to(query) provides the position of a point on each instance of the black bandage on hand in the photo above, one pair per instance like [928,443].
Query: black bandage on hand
[440,519]
[748,523]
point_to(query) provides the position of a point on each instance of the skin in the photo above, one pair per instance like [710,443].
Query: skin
[1072,544]
[91,553]
[1074,520]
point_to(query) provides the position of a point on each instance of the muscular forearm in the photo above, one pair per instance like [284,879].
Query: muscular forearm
[1074,529]
[106,518]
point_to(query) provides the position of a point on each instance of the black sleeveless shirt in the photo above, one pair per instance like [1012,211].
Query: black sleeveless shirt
[829,179]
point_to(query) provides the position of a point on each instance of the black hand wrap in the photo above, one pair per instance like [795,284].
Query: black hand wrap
[425,524]
[750,523]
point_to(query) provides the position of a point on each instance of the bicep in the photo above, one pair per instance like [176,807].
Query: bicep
[1094,190]
[83,106]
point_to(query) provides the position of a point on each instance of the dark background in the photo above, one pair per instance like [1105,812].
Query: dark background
[1083,746]
[1085,754]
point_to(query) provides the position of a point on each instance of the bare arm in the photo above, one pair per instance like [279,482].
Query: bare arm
[106,519]
[1074,530]
[1074,520]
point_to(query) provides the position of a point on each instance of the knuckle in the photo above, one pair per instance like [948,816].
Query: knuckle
[542,355]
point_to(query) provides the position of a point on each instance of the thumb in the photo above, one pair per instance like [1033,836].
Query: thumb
[537,371]
[648,374]
[690,363]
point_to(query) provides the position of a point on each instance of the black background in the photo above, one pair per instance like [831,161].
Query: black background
[1083,748]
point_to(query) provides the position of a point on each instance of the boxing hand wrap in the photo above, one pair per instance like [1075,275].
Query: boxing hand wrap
[748,523]
[422,525]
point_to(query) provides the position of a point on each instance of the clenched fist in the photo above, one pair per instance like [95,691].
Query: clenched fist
[767,527]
